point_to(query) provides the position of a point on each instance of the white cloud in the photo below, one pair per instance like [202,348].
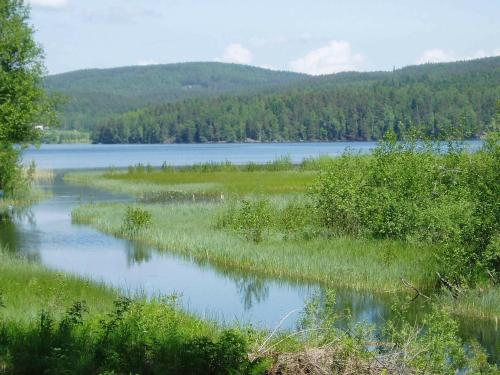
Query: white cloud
[437,55]
[236,53]
[52,4]
[147,62]
[336,56]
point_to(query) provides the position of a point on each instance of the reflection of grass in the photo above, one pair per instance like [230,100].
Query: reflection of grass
[42,175]
[27,288]
[190,229]
[475,303]
[31,196]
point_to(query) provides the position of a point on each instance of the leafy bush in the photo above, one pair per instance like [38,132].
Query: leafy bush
[135,338]
[433,347]
[135,220]
[250,218]
[420,191]
[258,218]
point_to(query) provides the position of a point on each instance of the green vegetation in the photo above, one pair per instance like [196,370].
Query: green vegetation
[19,188]
[440,98]
[55,323]
[27,288]
[421,211]
[64,136]
[42,331]
[191,229]
[96,94]
[209,180]
[419,192]
[23,101]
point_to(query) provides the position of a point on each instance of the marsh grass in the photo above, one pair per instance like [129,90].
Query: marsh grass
[478,303]
[190,229]
[27,288]
[250,179]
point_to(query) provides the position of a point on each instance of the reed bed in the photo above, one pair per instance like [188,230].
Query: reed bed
[190,229]
[27,288]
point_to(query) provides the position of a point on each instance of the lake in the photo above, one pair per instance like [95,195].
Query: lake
[83,156]
[45,234]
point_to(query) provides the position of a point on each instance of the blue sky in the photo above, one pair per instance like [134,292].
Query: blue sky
[315,36]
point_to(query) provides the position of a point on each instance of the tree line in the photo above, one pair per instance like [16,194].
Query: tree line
[437,98]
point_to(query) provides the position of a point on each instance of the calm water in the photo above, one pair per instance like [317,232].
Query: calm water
[103,156]
[46,234]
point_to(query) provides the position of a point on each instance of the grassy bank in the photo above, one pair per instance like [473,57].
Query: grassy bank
[27,193]
[228,183]
[27,288]
[375,265]
[190,229]
[409,211]
[55,323]
[52,322]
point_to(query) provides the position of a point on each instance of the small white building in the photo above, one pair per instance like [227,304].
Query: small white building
[39,127]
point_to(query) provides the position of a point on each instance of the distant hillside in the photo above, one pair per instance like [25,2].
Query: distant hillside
[440,98]
[98,93]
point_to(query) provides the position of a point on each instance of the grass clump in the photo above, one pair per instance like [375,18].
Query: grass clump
[27,288]
[258,219]
[135,220]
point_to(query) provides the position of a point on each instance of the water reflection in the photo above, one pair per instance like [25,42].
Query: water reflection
[17,239]
[253,290]
[137,253]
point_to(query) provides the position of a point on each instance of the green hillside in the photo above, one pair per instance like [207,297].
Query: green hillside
[98,93]
[440,98]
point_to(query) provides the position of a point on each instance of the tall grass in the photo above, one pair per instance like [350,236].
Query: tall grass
[54,323]
[27,288]
[190,229]
[277,177]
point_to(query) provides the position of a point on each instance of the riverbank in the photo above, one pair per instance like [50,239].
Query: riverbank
[190,229]
[64,324]
[202,223]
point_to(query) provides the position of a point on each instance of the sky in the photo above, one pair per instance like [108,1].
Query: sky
[314,36]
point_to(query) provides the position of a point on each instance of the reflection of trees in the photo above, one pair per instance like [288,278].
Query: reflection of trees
[12,237]
[137,253]
[486,332]
[252,290]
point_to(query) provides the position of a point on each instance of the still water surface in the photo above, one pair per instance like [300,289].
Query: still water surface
[47,235]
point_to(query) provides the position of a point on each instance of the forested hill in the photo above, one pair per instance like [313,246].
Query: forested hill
[349,106]
[95,94]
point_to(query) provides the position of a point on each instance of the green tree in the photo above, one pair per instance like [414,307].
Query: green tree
[23,102]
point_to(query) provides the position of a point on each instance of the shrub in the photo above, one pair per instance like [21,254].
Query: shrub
[135,338]
[420,191]
[14,180]
[136,219]
[283,163]
[250,218]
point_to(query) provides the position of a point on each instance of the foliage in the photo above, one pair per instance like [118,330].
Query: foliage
[363,106]
[188,229]
[136,337]
[136,219]
[434,347]
[256,219]
[418,191]
[96,94]
[52,136]
[251,218]
[23,101]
